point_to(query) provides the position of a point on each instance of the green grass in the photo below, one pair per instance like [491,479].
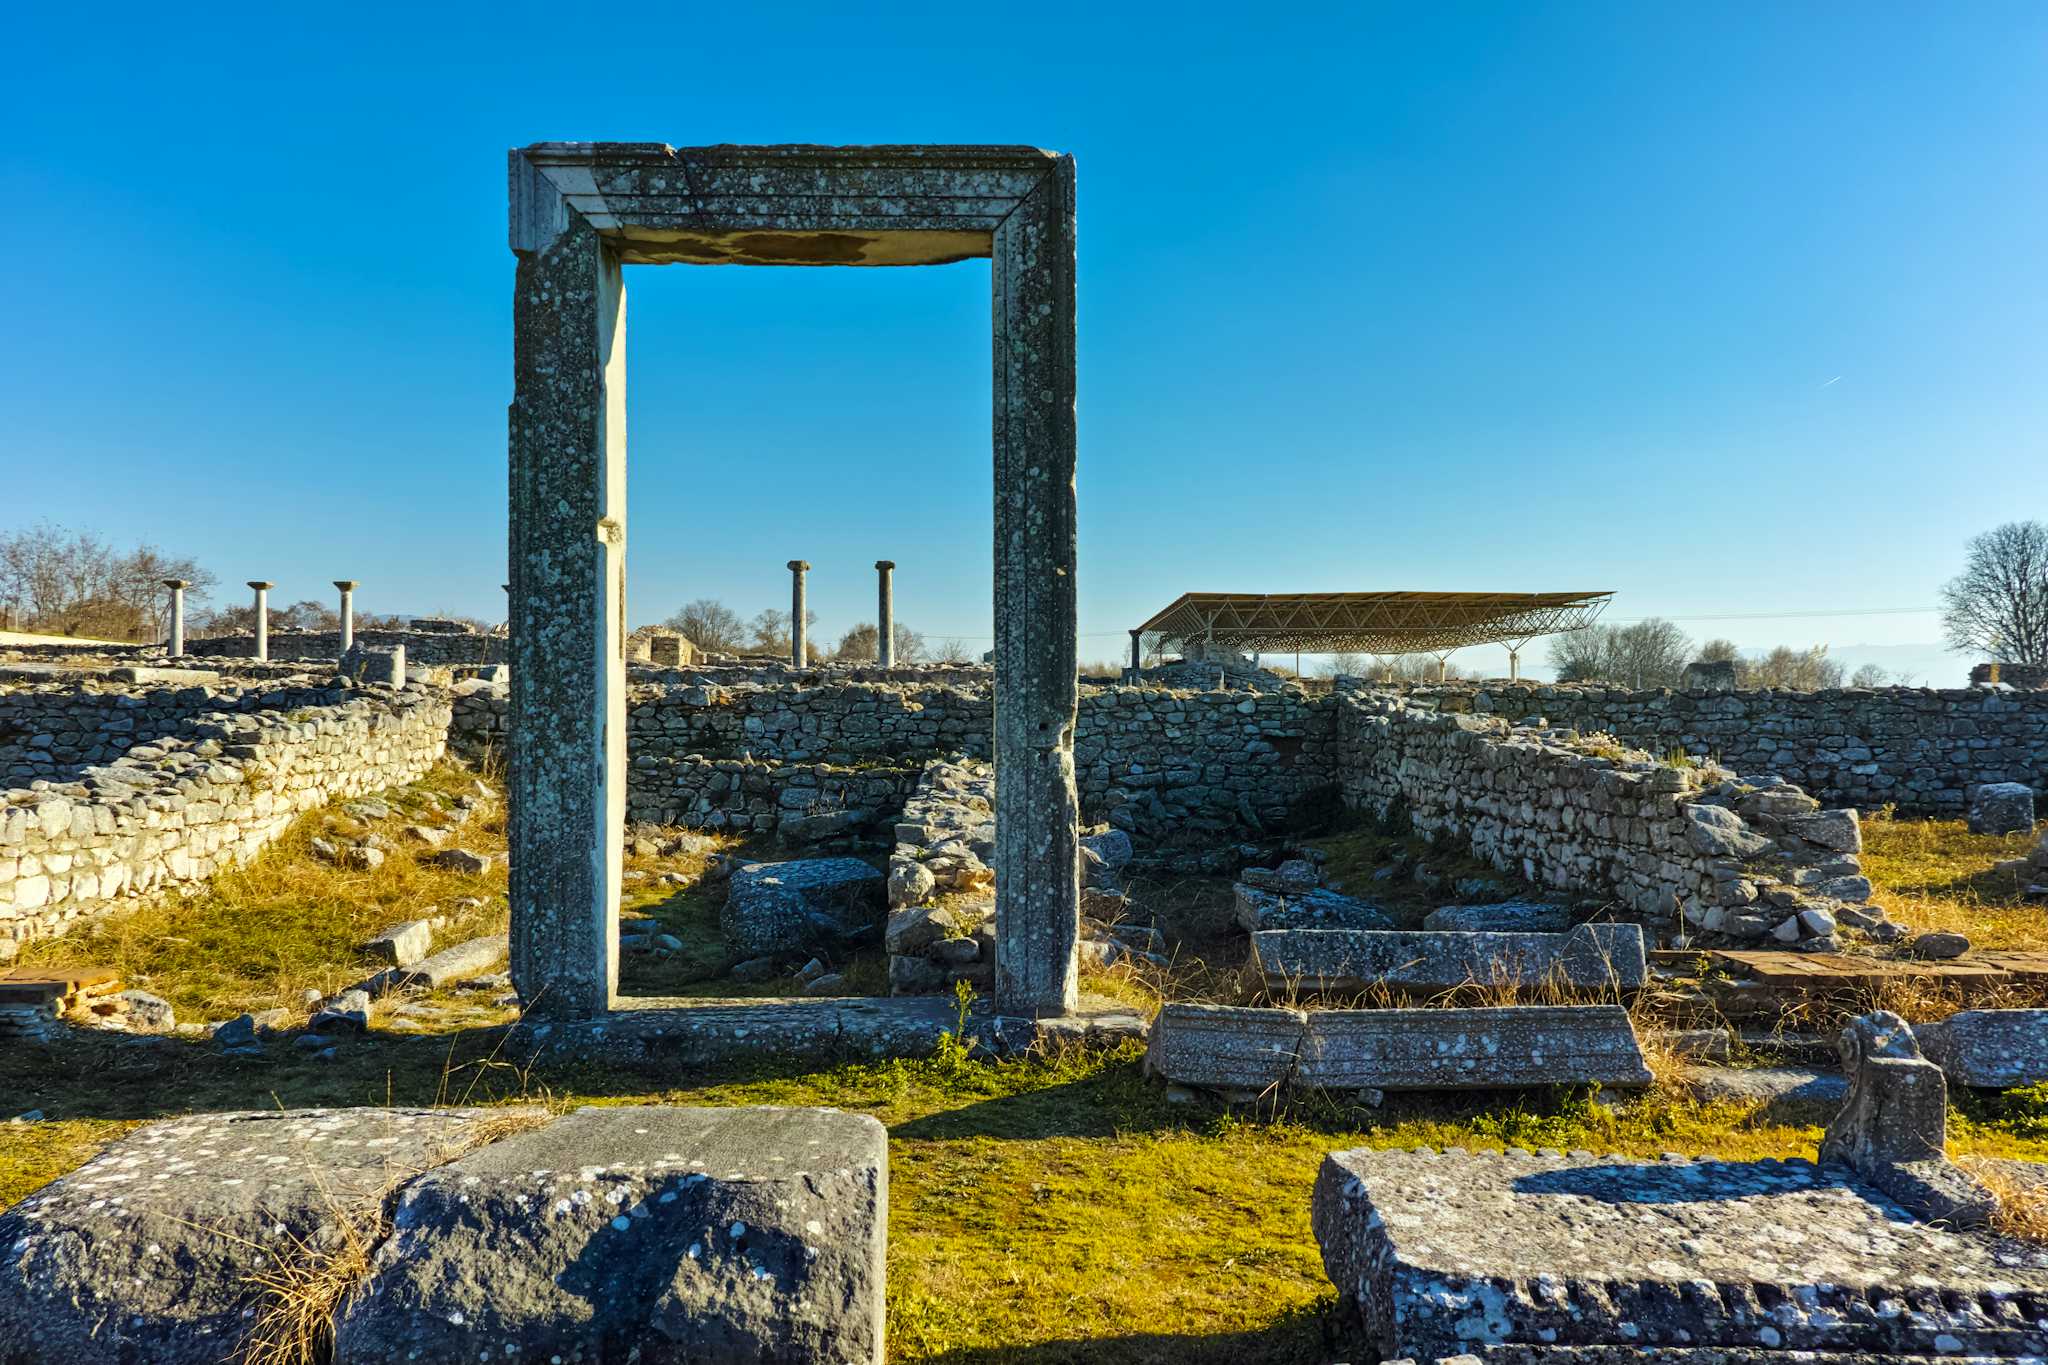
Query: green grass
[1049,1210]
[1053,1209]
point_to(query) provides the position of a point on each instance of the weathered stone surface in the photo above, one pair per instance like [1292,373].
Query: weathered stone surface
[1471,1049]
[1451,1252]
[469,958]
[649,1233]
[1317,908]
[1591,958]
[783,907]
[461,860]
[1227,1048]
[147,1253]
[1893,1128]
[1249,1051]
[1720,833]
[698,1032]
[1525,917]
[403,944]
[1989,1049]
[2001,808]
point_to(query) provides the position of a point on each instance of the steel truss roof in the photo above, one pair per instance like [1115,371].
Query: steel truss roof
[1372,622]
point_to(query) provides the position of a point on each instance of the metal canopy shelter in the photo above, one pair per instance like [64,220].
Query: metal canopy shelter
[1369,622]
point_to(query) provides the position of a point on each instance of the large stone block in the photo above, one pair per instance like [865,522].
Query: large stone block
[2001,808]
[1592,958]
[643,1233]
[1238,1050]
[773,908]
[1988,1049]
[1446,1253]
[1525,917]
[1471,1049]
[150,1251]
[1256,909]
[1224,1047]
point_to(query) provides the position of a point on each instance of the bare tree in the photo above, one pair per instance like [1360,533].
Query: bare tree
[710,625]
[770,630]
[1719,651]
[1998,604]
[1798,670]
[858,644]
[1869,675]
[909,645]
[1343,664]
[1648,653]
[952,650]
[74,583]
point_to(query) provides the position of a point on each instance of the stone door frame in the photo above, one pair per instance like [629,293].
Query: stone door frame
[580,212]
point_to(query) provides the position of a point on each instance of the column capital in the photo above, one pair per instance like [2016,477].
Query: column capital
[346,584]
[177,584]
[259,586]
[799,565]
[885,564]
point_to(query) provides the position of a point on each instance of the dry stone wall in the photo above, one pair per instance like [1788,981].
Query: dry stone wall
[49,730]
[1920,749]
[1689,849]
[167,815]
[1203,766]
[1168,766]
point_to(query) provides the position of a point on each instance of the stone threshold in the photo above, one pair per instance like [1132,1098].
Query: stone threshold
[701,1032]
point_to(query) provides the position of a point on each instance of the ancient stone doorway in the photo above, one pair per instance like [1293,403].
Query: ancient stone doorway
[580,213]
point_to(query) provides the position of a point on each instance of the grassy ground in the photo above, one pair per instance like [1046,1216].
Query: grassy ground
[1935,874]
[1058,1209]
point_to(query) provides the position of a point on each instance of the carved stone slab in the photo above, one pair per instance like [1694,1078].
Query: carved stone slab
[1601,958]
[1452,1252]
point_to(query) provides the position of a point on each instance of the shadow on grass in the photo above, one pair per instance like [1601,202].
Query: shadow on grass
[1303,1336]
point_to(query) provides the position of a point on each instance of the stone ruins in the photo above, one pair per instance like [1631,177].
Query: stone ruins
[982,829]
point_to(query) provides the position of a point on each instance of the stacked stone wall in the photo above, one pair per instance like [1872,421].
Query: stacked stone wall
[1168,766]
[167,815]
[1671,843]
[48,731]
[1920,749]
[1177,767]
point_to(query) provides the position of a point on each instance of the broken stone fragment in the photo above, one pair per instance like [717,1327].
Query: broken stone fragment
[1719,832]
[2001,808]
[675,1234]
[788,906]
[403,944]
[1989,1049]
[1893,1128]
[1939,947]
[1502,917]
[461,860]
[154,1250]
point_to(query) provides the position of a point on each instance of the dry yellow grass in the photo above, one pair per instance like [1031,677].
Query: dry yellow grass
[263,934]
[1935,874]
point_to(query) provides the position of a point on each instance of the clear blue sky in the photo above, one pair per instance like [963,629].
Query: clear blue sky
[1732,309]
